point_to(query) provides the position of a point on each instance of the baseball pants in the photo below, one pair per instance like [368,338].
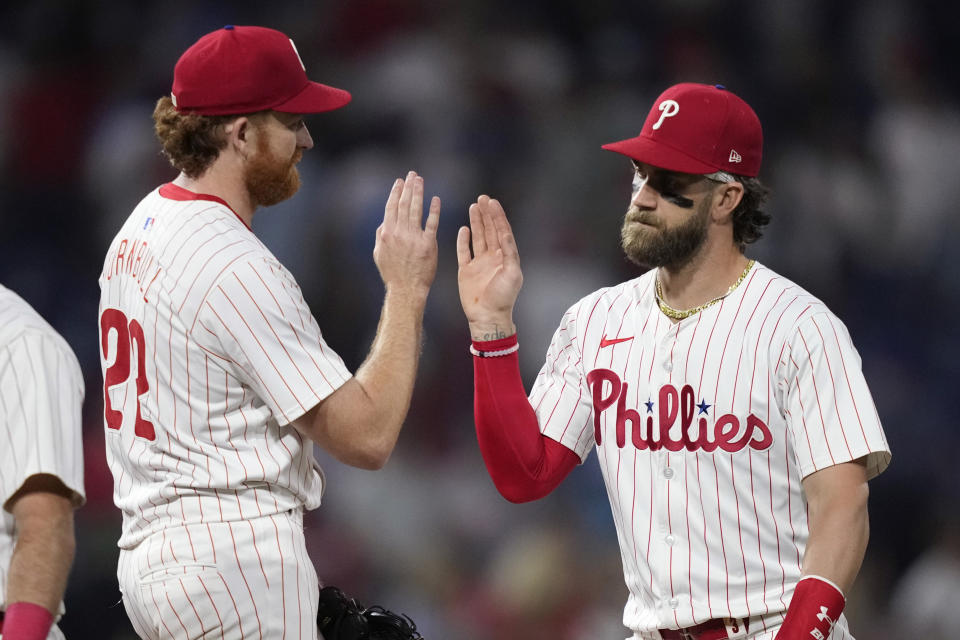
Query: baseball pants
[230,580]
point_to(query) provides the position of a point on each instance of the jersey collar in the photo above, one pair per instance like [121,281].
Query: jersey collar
[176,192]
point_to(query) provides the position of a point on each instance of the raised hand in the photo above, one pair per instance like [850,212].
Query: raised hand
[406,253]
[490,280]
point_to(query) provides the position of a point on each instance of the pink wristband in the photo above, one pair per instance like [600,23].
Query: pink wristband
[816,605]
[26,621]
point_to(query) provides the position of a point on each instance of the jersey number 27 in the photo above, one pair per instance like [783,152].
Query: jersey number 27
[129,336]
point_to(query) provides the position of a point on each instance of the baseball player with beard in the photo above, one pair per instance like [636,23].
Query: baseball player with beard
[217,380]
[41,470]
[727,406]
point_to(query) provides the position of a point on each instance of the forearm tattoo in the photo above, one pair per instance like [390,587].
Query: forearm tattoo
[496,334]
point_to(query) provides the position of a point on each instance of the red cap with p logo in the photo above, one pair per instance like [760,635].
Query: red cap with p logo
[237,70]
[698,128]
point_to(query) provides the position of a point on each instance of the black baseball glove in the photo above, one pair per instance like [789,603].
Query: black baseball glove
[343,618]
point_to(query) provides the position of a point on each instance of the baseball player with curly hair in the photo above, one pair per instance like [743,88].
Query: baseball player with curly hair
[41,470]
[217,380]
[727,406]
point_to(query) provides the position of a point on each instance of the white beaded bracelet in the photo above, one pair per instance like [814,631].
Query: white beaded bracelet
[494,354]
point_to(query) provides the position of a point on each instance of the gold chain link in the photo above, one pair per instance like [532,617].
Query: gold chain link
[677,314]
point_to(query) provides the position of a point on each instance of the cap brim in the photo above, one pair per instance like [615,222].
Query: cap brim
[657,154]
[315,98]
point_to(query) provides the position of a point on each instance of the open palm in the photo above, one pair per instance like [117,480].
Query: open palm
[490,280]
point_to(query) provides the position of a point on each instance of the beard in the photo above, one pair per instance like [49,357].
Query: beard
[655,246]
[269,179]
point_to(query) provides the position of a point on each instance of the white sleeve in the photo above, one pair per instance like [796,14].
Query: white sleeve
[264,325]
[41,393]
[829,408]
[560,396]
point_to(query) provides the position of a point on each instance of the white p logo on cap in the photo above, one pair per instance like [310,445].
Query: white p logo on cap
[668,108]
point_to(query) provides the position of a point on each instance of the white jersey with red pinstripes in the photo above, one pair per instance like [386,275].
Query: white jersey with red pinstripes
[41,393]
[209,352]
[704,429]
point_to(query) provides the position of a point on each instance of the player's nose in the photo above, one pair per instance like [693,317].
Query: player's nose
[304,141]
[644,197]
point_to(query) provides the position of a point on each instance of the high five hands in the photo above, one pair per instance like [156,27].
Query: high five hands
[489,276]
[490,280]
[406,253]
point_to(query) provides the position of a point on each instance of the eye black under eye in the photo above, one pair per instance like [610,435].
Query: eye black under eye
[680,201]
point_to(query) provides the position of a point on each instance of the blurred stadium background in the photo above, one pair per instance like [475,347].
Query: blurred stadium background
[860,103]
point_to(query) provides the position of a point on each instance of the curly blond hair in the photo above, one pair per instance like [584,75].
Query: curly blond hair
[190,142]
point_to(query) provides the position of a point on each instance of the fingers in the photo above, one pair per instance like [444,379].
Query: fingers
[476,230]
[433,217]
[403,205]
[489,214]
[500,223]
[415,213]
[393,201]
[504,233]
[463,246]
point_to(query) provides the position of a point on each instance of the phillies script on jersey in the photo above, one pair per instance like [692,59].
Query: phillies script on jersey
[675,408]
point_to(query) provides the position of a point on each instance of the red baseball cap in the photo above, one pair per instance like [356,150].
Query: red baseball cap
[247,69]
[698,128]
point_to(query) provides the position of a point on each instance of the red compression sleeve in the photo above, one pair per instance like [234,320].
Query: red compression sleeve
[814,609]
[26,621]
[524,464]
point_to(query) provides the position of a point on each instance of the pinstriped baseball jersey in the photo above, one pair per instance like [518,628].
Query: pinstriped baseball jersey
[208,352]
[704,429]
[41,393]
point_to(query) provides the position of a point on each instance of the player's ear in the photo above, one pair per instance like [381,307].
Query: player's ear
[239,134]
[726,197]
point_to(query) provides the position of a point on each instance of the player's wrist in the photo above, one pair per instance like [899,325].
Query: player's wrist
[815,607]
[408,295]
[495,348]
[498,329]
[26,621]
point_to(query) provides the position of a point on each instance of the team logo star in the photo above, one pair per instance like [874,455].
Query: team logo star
[649,404]
[703,406]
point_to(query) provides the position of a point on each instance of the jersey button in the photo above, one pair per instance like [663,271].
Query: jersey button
[674,603]
[668,473]
[668,366]
[670,540]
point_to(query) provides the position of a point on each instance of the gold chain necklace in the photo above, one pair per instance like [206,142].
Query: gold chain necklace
[677,314]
